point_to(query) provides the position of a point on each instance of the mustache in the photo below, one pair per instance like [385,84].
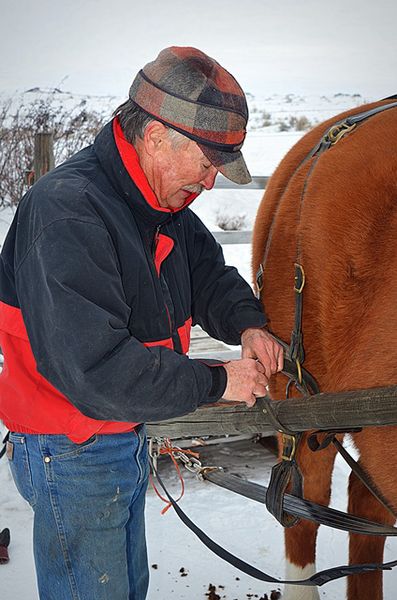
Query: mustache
[194,188]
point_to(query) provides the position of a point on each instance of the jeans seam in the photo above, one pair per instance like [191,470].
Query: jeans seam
[61,535]
[31,495]
[142,469]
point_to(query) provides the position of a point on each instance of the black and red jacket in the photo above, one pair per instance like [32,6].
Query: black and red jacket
[99,286]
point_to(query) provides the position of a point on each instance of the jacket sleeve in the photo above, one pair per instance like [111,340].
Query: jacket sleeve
[76,315]
[223,303]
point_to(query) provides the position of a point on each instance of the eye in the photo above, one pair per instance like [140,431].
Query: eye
[207,166]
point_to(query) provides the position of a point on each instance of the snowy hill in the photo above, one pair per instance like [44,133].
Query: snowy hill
[270,113]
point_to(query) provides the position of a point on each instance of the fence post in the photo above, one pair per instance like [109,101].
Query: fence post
[43,154]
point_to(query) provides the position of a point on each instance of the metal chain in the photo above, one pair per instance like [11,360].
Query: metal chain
[191,463]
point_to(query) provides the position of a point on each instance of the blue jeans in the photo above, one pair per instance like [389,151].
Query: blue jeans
[88,501]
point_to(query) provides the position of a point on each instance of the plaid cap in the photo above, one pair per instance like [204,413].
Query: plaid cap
[190,92]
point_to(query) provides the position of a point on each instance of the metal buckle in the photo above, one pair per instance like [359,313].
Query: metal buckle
[299,277]
[338,131]
[259,280]
[289,446]
[299,369]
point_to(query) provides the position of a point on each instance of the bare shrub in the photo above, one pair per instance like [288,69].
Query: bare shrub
[302,123]
[293,123]
[283,125]
[266,119]
[229,222]
[73,128]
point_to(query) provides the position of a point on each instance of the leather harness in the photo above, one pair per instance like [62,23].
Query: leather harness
[287,473]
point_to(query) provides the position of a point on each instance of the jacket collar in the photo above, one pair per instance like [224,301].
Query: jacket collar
[120,161]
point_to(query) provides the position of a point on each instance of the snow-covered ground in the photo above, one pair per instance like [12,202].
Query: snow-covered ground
[182,568]
[241,525]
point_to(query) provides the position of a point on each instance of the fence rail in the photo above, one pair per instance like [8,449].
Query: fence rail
[258,182]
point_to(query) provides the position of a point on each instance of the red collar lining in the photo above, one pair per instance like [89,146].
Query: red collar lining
[131,162]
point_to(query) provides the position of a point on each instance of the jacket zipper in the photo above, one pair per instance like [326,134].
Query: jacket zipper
[155,240]
[154,248]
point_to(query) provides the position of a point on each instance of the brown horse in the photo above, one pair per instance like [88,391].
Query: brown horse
[337,212]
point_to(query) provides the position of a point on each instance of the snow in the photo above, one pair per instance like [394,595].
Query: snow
[241,525]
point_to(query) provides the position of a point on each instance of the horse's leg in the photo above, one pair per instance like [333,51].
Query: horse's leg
[300,540]
[366,548]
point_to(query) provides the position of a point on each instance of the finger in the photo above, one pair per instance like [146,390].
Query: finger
[247,353]
[277,354]
[267,365]
[262,380]
[260,390]
[259,366]
[251,402]
[274,357]
[280,359]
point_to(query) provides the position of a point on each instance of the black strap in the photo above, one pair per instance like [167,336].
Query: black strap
[296,347]
[369,113]
[318,579]
[309,384]
[363,476]
[284,474]
[300,507]
[329,437]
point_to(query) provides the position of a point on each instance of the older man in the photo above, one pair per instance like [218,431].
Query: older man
[102,274]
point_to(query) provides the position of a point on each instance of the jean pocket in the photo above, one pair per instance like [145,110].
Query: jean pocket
[20,467]
[60,447]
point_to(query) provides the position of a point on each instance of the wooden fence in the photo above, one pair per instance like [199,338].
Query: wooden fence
[237,237]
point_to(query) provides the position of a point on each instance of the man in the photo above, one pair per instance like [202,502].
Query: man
[103,271]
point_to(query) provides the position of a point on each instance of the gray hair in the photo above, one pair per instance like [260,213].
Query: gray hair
[134,120]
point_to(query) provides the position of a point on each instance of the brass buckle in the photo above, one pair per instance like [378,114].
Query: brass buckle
[302,285]
[289,446]
[299,369]
[338,131]
[259,279]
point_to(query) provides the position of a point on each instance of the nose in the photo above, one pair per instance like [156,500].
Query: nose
[209,180]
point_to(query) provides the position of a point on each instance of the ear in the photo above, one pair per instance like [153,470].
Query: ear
[155,136]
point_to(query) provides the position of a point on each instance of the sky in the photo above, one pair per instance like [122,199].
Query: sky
[271,46]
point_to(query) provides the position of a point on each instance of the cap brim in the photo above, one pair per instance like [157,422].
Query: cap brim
[230,164]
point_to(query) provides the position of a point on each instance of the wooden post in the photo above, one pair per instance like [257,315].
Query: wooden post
[43,154]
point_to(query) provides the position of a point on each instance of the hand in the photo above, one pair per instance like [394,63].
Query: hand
[259,344]
[245,381]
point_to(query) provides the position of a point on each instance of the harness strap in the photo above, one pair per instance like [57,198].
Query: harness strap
[363,476]
[305,509]
[297,353]
[318,579]
[340,128]
[285,474]
[308,384]
[315,446]
[369,113]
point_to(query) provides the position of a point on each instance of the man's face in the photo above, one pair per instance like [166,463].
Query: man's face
[180,169]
